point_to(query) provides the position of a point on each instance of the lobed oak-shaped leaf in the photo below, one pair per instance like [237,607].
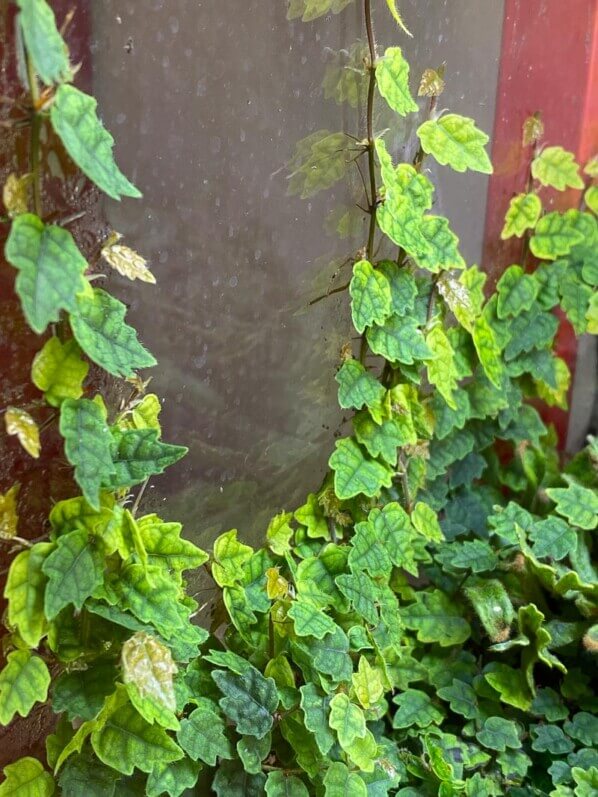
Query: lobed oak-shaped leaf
[442,370]
[399,340]
[74,569]
[50,269]
[280,784]
[403,288]
[488,350]
[81,693]
[84,774]
[442,252]
[392,79]
[75,120]
[24,681]
[358,388]
[367,683]
[137,454]
[231,780]
[26,778]
[384,540]
[517,292]
[360,590]
[99,327]
[340,782]
[555,167]
[555,235]
[25,588]
[354,473]
[577,503]
[383,440]
[455,141]
[250,700]
[415,708]
[316,707]
[203,735]
[230,556]
[498,734]
[523,214]
[309,619]
[370,296]
[425,520]
[45,46]
[347,719]
[59,371]
[87,444]
[461,697]
[172,779]
[165,547]
[436,618]
[552,538]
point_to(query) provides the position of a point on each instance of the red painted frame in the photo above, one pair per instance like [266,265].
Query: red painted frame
[549,63]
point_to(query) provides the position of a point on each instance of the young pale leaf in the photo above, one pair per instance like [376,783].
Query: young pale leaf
[147,663]
[415,708]
[357,387]
[24,681]
[87,444]
[455,141]
[367,684]
[339,782]
[136,455]
[370,294]
[279,533]
[354,473]
[578,504]
[45,46]
[21,424]
[517,292]
[523,214]
[15,194]
[442,371]
[555,236]
[125,741]
[173,779]
[312,517]
[230,556]
[279,784]
[436,618]
[392,77]
[74,569]
[75,120]
[26,778]
[9,518]
[309,619]
[555,167]
[399,340]
[432,83]
[59,371]
[50,269]
[591,198]
[458,299]
[203,736]
[347,719]
[126,261]
[99,327]
[442,252]
[425,521]
[25,587]
[250,700]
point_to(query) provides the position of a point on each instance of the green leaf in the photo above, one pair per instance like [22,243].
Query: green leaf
[354,473]
[401,222]
[403,288]
[555,167]
[75,120]
[331,655]
[25,588]
[442,371]
[455,141]
[383,440]
[442,252]
[360,590]
[523,214]
[493,607]
[347,719]
[165,548]
[399,340]
[488,350]
[436,618]
[279,784]
[511,685]
[575,300]
[279,533]
[229,557]
[138,454]
[384,540]
[425,521]
[310,620]
[552,538]
[50,269]
[74,570]
[392,78]
[474,555]
[586,780]
[100,330]
[555,236]
[367,684]
[253,751]
[173,779]
[147,664]
[370,296]
[392,7]
[415,708]
[312,517]
[550,739]
[461,697]
[45,46]
[316,707]
[58,371]
[24,681]
[232,781]
[203,736]
[250,700]
[81,693]
[84,774]
[339,782]
[584,728]
[26,778]
[517,291]
[320,161]
[498,734]
[535,329]
[578,504]
[124,741]
[591,198]
[357,387]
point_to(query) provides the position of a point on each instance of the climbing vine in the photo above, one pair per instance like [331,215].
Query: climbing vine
[425,624]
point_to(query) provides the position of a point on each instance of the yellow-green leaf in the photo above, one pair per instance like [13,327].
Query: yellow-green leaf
[367,683]
[24,591]
[556,167]
[26,778]
[488,350]
[442,371]
[9,517]
[59,371]
[15,194]
[370,296]
[523,214]
[392,77]
[24,681]
[147,663]
[392,7]
[591,198]
[21,424]
[455,141]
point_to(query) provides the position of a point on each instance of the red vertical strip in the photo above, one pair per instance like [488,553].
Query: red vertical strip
[549,63]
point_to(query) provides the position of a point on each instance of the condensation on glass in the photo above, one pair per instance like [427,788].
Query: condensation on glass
[207,102]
